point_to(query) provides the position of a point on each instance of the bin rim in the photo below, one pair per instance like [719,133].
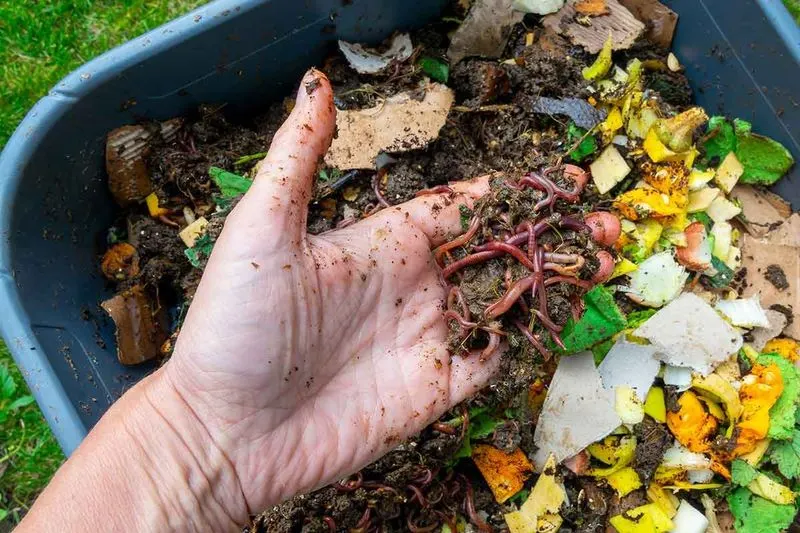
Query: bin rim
[15,324]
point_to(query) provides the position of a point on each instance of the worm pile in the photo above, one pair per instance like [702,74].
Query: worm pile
[532,231]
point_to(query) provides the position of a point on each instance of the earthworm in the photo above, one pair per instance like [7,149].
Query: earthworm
[376,187]
[512,250]
[350,485]
[583,284]
[417,494]
[441,427]
[507,300]
[363,524]
[331,523]
[532,339]
[413,527]
[491,348]
[469,507]
[439,189]
[472,259]
[455,293]
[461,240]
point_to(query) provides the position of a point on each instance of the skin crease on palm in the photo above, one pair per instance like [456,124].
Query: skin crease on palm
[306,357]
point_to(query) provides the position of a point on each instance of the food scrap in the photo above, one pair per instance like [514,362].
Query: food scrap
[628,258]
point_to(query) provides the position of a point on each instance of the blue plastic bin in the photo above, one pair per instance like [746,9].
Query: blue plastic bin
[742,58]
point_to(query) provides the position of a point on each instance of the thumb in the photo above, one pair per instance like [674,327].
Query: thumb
[282,189]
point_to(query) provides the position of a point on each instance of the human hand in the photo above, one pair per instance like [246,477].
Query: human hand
[302,359]
[306,357]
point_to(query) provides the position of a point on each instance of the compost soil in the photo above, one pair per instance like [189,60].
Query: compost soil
[491,129]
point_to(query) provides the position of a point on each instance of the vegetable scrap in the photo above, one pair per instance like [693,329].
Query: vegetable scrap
[367,61]
[640,278]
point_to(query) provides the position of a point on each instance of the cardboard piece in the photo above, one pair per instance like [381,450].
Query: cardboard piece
[659,19]
[622,25]
[399,124]
[780,247]
[761,209]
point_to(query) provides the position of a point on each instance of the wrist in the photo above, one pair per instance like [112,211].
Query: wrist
[192,480]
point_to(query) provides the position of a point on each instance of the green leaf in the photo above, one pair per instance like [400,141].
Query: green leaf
[229,184]
[326,177]
[722,274]
[7,385]
[742,473]
[3,514]
[22,401]
[436,69]
[203,247]
[754,514]
[520,497]
[765,160]
[786,455]
[482,426]
[587,146]
[464,451]
[637,318]
[744,362]
[466,216]
[701,216]
[601,349]
[601,320]
[721,138]
[635,252]
[248,158]
[782,414]
[223,203]
[742,127]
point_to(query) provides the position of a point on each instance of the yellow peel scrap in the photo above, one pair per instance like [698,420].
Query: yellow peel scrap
[786,348]
[602,64]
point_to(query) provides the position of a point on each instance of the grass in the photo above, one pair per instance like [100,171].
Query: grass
[40,42]
[794,8]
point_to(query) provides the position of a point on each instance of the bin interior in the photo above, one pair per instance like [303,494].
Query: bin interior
[56,207]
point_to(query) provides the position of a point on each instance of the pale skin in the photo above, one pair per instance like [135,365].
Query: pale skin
[302,359]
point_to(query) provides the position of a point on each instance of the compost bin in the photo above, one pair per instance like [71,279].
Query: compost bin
[741,58]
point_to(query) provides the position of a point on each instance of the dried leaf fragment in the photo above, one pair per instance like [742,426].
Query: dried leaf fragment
[485,31]
[120,262]
[141,325]
[593,8]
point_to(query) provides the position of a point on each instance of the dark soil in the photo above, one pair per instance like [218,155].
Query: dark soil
[492,128]
[652,439]
[777,277]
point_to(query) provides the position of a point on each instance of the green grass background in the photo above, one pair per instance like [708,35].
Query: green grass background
[40,42]
[794,8]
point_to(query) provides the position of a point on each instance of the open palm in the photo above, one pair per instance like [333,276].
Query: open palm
[309,356]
